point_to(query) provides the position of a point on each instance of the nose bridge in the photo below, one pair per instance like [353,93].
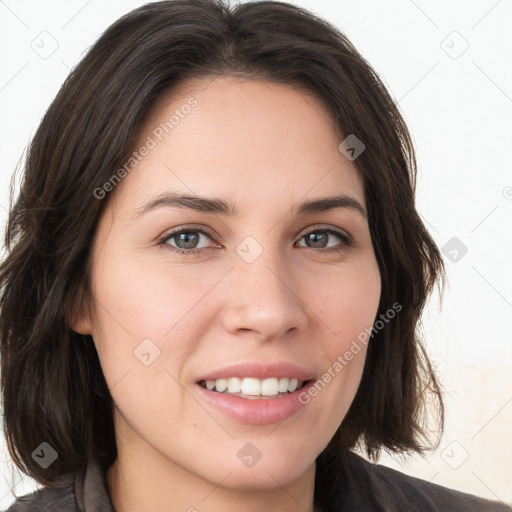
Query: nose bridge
[260,263]
[263,296]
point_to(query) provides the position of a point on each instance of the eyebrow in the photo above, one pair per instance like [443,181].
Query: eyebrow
[221,207]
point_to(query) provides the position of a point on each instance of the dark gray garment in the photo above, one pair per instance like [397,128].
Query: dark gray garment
[350,483]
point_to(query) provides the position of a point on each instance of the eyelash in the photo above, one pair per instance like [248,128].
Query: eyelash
[345,239]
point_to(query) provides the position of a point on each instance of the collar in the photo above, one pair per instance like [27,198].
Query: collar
[91,489]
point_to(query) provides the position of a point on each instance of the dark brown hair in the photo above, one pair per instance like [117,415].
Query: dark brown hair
[53,388]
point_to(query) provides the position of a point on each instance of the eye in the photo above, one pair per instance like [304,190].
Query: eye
[185,240]
[319,239]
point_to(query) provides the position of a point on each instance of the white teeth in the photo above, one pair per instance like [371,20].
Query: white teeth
[283,384]
[250,386]
[292,386]
[221,385]
[234,385]
[270,387]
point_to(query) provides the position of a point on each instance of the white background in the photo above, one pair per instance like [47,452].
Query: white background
[457,102]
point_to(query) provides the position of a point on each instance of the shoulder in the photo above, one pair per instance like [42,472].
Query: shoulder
[364,486]
[85,490]
[46,499]
[436,496]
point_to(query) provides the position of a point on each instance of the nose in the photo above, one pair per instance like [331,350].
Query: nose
[264,298]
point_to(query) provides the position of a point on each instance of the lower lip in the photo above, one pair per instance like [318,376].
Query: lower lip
[256,411]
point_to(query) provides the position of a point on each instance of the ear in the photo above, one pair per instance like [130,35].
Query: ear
[80,324]
[78,314]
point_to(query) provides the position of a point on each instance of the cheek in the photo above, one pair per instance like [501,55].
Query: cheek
[139,301]
[348,308]
[143,340]
[352,314]
[149,318]
[348,305]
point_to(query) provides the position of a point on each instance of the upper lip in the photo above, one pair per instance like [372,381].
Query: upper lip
[260,371]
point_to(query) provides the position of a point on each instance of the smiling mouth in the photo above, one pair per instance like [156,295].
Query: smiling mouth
[254,389]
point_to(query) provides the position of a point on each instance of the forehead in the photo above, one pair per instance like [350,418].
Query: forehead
[236,137]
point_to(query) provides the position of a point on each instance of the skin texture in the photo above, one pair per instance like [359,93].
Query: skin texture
[265,147]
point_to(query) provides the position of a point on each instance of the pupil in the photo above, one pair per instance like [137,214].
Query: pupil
[185,237]
[313,237]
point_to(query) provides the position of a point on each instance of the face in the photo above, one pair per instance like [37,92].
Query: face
[190,298]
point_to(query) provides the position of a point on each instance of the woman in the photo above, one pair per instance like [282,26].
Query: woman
[215,275]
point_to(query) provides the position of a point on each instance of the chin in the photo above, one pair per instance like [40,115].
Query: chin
[264,477]
[269,468]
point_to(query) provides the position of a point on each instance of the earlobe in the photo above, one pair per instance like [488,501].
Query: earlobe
[81,326]
[78,316]
[79,322]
